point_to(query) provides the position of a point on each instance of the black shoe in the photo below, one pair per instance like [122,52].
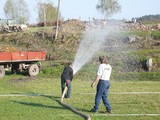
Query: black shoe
[109,111]
[92,110]
[66,97]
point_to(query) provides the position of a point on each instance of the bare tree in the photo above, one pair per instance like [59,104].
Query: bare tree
[17,10]
[23,13]
[46,12]
[108,7]
[10,10]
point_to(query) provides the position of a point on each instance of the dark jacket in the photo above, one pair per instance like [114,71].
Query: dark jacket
[67,73]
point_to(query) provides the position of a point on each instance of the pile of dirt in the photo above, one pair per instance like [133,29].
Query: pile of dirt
[72,25]
[70,31]
[8,48]
[155,27]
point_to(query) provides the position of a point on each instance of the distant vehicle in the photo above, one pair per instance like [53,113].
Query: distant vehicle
[21,61]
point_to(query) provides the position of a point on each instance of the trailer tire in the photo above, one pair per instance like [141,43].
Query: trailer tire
[2,71]
[33,70]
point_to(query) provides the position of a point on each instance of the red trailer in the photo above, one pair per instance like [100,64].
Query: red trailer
[20,61]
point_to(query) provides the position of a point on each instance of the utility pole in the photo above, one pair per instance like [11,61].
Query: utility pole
[44,14]
[57,20]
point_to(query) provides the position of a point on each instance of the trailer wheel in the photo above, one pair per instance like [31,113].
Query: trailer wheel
[2,71]
[33,70]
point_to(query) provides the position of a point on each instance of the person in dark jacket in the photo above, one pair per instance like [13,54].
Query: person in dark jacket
[66,79]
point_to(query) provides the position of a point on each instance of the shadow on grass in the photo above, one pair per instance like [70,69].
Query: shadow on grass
[85,110]
[51,97]
[37,105]
[37,94]
[55,98]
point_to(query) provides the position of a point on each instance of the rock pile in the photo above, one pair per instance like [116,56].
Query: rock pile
[72,25]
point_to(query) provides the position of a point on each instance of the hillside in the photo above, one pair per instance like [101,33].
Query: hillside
[134,92]
[128,49]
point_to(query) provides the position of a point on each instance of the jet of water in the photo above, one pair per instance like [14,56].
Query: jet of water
[92,41]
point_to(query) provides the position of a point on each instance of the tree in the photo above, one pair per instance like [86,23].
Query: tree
[47,12]
[17,10]
[23,13]
[149,17]
[108,7]
[10,10]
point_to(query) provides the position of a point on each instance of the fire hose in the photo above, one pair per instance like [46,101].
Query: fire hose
[87,117]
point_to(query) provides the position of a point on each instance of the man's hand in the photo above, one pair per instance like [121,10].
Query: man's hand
[93,84]
[67,82]
[96,81]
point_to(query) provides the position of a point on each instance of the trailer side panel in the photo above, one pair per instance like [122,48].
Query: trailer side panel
[19,56]
[5,56]
[22,56]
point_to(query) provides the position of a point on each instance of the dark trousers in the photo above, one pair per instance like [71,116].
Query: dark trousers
[102,93]
[63,83]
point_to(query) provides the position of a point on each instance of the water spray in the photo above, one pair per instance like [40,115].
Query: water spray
[93,39]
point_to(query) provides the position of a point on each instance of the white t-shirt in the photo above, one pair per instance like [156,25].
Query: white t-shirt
[104,71]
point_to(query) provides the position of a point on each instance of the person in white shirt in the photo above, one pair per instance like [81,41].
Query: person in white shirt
[103,80]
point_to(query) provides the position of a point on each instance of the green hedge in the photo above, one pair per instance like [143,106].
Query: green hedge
[155,35]
[136,76]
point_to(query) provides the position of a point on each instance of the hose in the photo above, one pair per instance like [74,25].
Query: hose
[87,117]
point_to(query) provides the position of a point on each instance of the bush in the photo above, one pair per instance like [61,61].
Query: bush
[156,35]
[54,71]
[136,76]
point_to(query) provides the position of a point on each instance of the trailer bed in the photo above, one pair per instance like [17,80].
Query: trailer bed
[22,56]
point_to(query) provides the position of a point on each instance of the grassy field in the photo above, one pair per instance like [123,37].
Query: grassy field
[134,93]
[24,98]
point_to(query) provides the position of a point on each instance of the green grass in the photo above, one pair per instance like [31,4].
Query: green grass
[156,35]
[45,104]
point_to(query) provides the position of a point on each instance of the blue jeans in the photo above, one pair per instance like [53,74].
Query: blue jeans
[67,95]
[102,93]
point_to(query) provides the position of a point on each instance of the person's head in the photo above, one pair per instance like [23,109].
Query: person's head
[103,59]
[70,64]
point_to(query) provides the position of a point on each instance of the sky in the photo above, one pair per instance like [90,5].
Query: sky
[85,9]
